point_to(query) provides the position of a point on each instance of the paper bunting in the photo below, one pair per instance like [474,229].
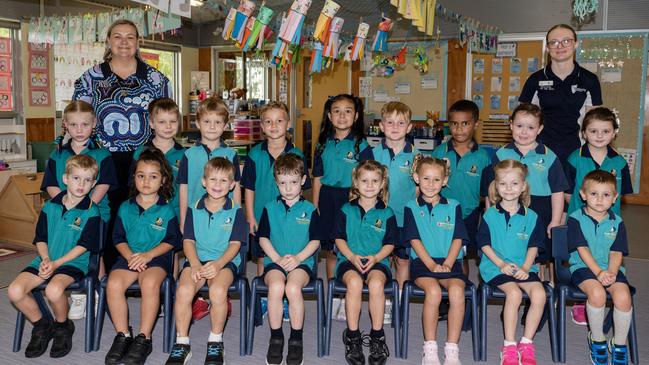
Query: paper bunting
[332,48]
[259,30]
[244,11]
[322,26]
[381,38]
[291,29]
[355,52]
[229,23]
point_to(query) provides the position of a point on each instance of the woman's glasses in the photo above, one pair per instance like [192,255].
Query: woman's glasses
[564,43]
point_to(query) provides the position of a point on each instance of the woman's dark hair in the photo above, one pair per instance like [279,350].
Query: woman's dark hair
[327,127]
[153,154]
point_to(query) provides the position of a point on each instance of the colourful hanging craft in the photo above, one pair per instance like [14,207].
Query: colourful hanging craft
[246,32]
[291,29]
[358,46]
[229,23]
[258,33]
[322,27]
[244,11]
[381,38]
[332,47]
[316,58]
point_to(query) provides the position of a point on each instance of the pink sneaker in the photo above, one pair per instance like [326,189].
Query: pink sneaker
[579,314]
[509,355]
[526,352]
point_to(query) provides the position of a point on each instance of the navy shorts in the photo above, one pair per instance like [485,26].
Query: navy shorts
[542,206]
[329,204]
[419,270]
[580,275]
[504,279]
[230,265]
[471,223]
[255,248]
[162,262]
[347,266]
[68,270]
[274,266]
[401,247]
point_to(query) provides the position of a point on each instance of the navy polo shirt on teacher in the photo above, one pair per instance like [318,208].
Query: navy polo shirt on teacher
[564,104]
[122,105]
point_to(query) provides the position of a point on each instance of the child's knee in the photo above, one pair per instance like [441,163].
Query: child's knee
[276,287]
[433,293]
[597,297]
[54,291]
[16,291]
[514,295]
[150,286]
[456,294]
[293,290]
[537,295]
[376,285]
[354,283]
[218,293]
[622,301]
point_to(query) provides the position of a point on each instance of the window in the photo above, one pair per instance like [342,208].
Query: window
[230,73]
[8,76]
[166,61]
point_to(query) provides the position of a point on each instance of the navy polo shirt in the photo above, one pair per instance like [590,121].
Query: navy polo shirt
[564,104]
[144,229]
[465,174]
[212,232]
[173,157]
[600,237]
[258,174]
[545,173]
[366,232]
[401,187]
[436,226]
[289,229]
[106,175]
[193,164]
[338,158]
[581,162]
[122,105]
[509,236]
[63,229]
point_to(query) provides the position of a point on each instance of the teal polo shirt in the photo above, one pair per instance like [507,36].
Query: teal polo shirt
[144,229]
[509,237]
[258,174]
[63,229]
[402,187]
[193,162]
[366,232]
[600,237]
[436,226]
[173,157]
[581,162]
[334,164]
[289,229]
[106,176]
[465,174]
[212,232]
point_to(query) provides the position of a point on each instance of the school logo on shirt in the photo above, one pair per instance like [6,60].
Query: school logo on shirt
[406,166]
[350,157]
[76,224]
[473,171]
[577,89]
[522,236]
[611,234]
[446,224]
[303,219]
[158,224]
[540,164]
[227,224]
[378,225]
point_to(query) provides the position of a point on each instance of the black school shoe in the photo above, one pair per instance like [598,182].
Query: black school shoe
[214,354]
[180,354]
[118,349]
[295,350]
[353,349]
[41,335]
[379,352]
[274,355]
[62,343]
[138,352]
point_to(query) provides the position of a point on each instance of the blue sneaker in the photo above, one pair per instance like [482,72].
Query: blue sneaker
[264,306]
[286,315]
[598,351]
[619,355]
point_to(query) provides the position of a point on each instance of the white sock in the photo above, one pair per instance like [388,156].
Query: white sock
[450,345]
[127,334]
[526,340]
[509,343]
[432,343]
[214,337]
[622,322]
[182,340]
[596,322]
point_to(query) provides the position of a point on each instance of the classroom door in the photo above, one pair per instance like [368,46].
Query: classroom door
[312,92]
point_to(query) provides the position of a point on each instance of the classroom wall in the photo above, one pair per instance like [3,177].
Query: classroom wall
[188,63]
[29,111]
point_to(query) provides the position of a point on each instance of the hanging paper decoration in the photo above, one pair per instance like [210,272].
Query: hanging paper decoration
[258,32]
[421,60]
[381,38]
[89,29]
[358,47]
[245,10]
[291,29]
[316,58]
[332,47]
[322,27]
[584,10]
[280,51]
[75,30]
[247,31]
[229,24]
[60,29]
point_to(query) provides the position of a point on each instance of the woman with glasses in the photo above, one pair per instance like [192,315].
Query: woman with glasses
[564,90]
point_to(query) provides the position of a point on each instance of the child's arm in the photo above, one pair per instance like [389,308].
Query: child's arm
[209,270]
[390,240]
[557,201]
[50,182]
[141,259]
[460,236]
[523,271]
[182,202]
[269,250]
[306,252]
[591,263]
[53,191]
[506,268]
[250,210]
[315,236]
[423,255]
[618,249]
[344,249]
[189,249]
[236,194]
[453,253]
[614,263]
[99,192]
[317,185]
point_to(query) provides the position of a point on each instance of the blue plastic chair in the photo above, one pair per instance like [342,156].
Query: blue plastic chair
[239,286]
[336,287]
[411,290]
[313,287]
[487,292]
[166,290]
[567,291]
[86,284]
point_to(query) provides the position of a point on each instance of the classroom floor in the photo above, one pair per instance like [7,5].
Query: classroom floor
[637,266]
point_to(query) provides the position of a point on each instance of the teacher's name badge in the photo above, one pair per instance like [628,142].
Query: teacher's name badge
[546,85]
[577,89]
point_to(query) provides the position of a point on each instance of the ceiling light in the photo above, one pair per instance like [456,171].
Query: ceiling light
[196,3]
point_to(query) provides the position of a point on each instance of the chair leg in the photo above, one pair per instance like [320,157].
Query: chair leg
[561,325]
[330,297]
[633,340]
[18,332]
[396,317]
[552,326]
[101,313]
[166,324]
[475,335]
[90,313]
[319,289]
[251,322]
[405,318]
[244,291]
[483,323]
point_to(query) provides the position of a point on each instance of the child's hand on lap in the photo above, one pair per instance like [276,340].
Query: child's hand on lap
[521,274]
[195,273]
[209,270]
[441,268]
[606,278]
[139,261]
[358,262]
[289,262]
[508,268]
[45,269]
[368,262]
